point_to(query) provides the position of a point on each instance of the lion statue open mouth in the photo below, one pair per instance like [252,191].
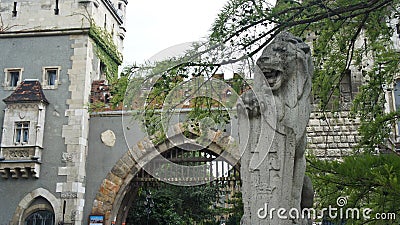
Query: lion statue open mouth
[273,76]
[275,59]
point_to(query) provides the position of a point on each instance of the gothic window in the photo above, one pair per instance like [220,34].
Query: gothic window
[56,9]
[42,217]
[21,134]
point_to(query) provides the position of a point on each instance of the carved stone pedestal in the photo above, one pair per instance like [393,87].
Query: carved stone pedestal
[274,115]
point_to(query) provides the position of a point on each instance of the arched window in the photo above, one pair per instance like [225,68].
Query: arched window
[42,217]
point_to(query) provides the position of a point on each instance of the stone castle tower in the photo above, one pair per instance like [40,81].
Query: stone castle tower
[51,52]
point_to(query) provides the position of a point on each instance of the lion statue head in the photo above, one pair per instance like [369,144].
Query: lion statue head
[284,57]
[284,72]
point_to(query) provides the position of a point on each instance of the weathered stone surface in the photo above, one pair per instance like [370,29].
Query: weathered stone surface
[339,131]
[108,138]
[273,164]
[69,195]
[128,160]
[120,169]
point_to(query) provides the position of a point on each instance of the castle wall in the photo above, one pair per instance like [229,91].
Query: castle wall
[101,158]
[42,33]
[31,54]
[332,135]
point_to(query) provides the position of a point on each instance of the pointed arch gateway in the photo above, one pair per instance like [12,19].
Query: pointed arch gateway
[112,196]
[39,200]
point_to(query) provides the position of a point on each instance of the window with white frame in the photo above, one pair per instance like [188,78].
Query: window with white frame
[51,76]
[21,133]
[13,77]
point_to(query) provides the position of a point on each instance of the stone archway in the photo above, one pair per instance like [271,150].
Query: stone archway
[112,191]
[25,204]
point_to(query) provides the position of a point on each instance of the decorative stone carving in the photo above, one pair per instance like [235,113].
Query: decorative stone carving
[20,169]
[66,157]
[108,138]
[251,104]
[24,113]
[273,164]
[74,215]
[17,153]
[69,195]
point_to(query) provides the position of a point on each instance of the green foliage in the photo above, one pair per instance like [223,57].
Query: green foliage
[176,205]
[169,86]
[106,50]
[367,181]
[345,34]
[236,211]
[109,55]
[96,106]
[119,86]
[348,34]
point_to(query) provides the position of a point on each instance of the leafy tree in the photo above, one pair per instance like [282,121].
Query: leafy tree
[236,211]
[348,34]
[118,87]
[175,205]
[364,181]
[344,34]
[338,26]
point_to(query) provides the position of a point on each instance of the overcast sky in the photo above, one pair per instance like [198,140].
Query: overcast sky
[154,25]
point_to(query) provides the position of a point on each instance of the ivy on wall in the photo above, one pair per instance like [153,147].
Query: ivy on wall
[106,50]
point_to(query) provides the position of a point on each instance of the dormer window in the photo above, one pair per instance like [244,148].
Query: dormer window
[21,134]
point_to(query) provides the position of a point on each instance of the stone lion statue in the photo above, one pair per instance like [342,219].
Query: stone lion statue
[276,166]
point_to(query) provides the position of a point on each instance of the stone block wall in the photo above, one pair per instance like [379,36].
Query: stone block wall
[332,135]
[27,16]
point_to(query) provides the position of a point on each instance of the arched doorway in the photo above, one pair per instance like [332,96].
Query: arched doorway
[38,207]
[179,195]
[117,191]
